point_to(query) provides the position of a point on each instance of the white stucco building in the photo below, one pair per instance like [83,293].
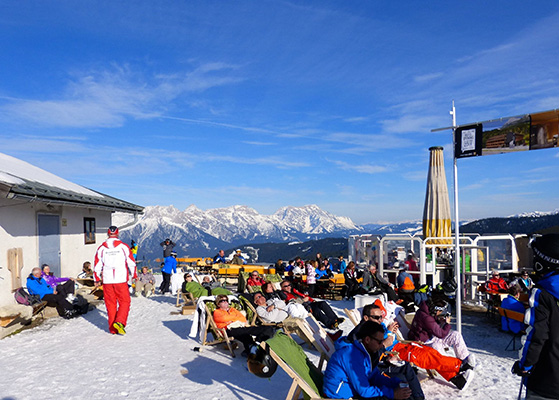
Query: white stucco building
[47,219]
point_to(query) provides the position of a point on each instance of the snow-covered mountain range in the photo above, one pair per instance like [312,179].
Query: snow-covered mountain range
[202,233]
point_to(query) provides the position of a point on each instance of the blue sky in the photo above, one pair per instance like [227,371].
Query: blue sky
[275,103]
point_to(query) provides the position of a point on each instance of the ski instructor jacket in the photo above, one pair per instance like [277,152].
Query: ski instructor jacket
[540,354]
[114,262]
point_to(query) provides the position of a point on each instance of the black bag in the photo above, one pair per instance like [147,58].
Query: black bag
[449,285]
[23,297]
[81,306]
[261,363]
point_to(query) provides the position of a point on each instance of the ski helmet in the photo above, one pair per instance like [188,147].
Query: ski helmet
[546,252]
[113,231]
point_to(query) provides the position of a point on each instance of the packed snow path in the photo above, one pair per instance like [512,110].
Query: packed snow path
[79,359]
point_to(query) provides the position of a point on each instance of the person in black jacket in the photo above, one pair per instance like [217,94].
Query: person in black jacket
[539,361]
[168,246]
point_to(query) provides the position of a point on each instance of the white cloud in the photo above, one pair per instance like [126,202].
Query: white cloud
[108,98]
[361,168]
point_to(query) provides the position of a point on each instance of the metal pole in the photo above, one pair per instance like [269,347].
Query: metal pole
[456,230]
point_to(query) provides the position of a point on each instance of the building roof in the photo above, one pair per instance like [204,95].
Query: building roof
[21,180]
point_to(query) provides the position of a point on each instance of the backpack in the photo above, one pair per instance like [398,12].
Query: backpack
[261,363]
[23,297]
[449,285]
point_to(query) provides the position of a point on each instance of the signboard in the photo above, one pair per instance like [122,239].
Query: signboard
[508,135]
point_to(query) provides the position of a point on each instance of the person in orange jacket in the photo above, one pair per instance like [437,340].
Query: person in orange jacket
[235,323]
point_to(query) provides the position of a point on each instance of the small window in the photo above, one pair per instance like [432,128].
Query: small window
[89,230]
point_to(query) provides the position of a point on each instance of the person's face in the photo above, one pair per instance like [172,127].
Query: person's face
[167,242]
[37,273]
[46,270]
[268,288]
[375,316]
[373,343]
[189,278]
[145,270]
[206,279]
[496,276]
[223,304]
[525,276]
[254,275]
[374,269]
[286,287]
[259,299]
[221,253]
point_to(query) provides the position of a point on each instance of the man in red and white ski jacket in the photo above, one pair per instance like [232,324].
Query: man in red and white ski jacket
[114,265]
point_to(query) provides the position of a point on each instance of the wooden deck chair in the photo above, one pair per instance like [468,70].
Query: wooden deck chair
[219,335]
[184,299]
[307,379]
[514,315]
[317,336]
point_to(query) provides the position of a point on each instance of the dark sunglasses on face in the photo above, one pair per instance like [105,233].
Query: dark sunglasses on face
[285,286]
[376,317]
[379,341]
[222,300]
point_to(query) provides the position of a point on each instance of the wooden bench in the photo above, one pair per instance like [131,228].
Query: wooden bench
[516,316]
[37,309]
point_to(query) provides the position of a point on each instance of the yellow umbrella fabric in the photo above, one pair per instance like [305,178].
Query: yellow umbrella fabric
[436,213]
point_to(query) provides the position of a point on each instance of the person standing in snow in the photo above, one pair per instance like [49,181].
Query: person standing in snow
[539,357]
[170,267]
[113,267]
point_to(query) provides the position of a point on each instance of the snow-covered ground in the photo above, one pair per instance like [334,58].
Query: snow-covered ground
[79,359]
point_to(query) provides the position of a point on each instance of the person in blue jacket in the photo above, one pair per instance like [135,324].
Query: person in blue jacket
[512,303]
[170,267]
[350,373]
[61,297]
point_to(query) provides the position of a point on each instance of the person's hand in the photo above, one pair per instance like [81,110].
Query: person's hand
[518,370]
[73,279]
[447,319]
[393,327]
[402,393]
[306,298]
[97,284]
[54,291]
[270,308]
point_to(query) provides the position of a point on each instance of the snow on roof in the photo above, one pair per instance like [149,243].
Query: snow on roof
[15,172]
[29,182]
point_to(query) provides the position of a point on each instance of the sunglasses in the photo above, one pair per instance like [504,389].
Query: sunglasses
[379,341]
[222,300]
[376,317]
[284,286]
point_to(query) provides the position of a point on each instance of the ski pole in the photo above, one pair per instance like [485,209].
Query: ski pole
[521,385]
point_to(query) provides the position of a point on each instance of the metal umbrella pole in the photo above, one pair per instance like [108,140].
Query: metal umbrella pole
[456,230]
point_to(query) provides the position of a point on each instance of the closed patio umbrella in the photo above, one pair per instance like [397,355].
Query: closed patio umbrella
[436,213]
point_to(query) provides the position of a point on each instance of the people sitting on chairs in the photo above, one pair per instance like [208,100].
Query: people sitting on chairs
[352,286]
[255,279]
[235,323]
[406,287]
[450,368]
[512,303]
[52,280]
[431,324]
[190,286]
[61,297]
[271,293]
[323,273]
[321,310]
[353,373]
[524,282]
[220,258]
[238,258]
[374,283]
[87,272]
[275,310]
[496,284]
[145,283]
